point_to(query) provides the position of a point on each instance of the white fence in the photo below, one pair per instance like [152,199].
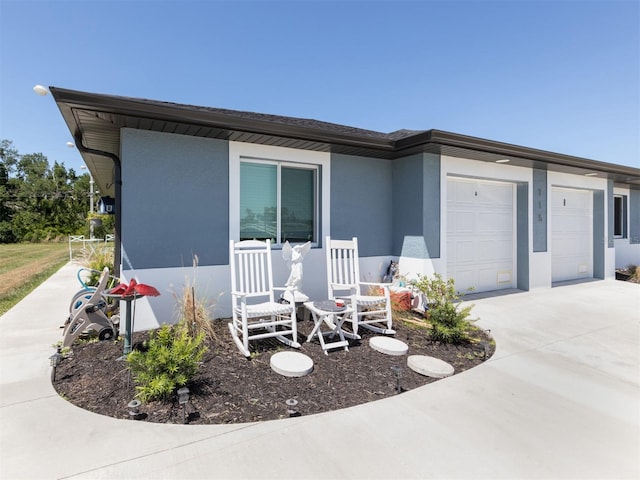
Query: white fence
[87,246]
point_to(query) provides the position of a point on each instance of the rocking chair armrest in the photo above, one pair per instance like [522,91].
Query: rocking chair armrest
[343,286]
[377,284]
[385,287]
[288,297]
[238,294]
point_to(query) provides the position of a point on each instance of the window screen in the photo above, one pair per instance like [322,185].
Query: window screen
[277,201]
[258,201]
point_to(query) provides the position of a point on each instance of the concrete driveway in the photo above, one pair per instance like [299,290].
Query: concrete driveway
[559,399]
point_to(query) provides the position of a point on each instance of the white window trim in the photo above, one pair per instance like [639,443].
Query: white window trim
[623,218]
[249,152]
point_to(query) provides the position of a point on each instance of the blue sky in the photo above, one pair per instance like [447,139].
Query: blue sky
[559,75]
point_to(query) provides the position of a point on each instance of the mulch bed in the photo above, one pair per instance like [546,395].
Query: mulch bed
[232,389]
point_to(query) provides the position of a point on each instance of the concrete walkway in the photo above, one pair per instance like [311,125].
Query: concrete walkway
[559,399]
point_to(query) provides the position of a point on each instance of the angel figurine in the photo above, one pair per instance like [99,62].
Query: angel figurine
[293,257]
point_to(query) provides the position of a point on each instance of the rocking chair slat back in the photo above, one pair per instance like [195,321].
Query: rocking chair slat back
[342,267]
[255,314]
[251,269]
[343,278]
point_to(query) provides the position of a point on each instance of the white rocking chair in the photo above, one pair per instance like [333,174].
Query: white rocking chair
[255,312]
[371,310]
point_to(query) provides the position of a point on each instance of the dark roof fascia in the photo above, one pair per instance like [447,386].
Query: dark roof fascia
[65,110]
[542,157]
[379,144]
[218,118]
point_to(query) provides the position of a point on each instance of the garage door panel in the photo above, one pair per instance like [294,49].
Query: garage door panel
[571,270]
[480,234]
[462,192]
[505,277]
[463,223]
[464,251]
[561,247]
[571,237]
[488,279]
[464,279]
[494,251]
[495,194]
[495,221]
[573,224]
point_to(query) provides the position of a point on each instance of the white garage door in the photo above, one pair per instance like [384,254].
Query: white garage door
[480,234]
[571,234]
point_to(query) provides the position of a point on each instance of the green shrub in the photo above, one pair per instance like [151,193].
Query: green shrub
[96,260]
[449,321]
[169,360]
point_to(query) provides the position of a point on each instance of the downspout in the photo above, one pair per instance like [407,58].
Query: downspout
[117,256]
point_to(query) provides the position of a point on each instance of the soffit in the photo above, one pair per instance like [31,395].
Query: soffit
[97,120]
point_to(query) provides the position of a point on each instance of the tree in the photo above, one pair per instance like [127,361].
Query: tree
[39,201]
[8,160]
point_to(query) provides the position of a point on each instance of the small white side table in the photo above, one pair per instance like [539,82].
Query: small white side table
[326,312]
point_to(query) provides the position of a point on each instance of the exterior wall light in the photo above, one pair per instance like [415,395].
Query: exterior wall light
[40,90]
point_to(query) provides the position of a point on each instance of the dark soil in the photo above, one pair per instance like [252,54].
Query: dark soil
[232,389]
[629,274]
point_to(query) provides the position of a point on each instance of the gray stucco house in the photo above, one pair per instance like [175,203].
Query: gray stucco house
[491,215]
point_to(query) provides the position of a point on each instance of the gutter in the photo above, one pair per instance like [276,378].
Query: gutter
[118,197]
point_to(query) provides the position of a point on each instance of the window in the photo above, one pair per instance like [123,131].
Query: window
[279,201]
[620,216]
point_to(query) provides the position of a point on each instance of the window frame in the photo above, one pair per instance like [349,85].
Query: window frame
[619,215]
[315,169]
[248,152]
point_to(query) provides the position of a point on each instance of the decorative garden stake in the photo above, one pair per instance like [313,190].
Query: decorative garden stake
[183,399]
[397,371]
[292,407]
[55,360]
[134,406]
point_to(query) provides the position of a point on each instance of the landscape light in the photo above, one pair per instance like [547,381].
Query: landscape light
[183,399]
[55,360]
[292,407]
[397,370]
[133,407]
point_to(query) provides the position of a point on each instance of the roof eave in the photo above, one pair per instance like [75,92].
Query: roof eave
[186,114]
[359,142]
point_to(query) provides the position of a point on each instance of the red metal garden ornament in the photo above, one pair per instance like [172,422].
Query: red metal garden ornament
[134,288]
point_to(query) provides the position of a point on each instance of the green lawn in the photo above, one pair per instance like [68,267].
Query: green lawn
[24,266]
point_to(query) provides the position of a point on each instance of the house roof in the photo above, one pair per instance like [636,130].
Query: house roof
[95,121]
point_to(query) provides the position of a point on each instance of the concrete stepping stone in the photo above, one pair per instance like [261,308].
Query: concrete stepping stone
[429,366]
[388,345]
[291,364]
